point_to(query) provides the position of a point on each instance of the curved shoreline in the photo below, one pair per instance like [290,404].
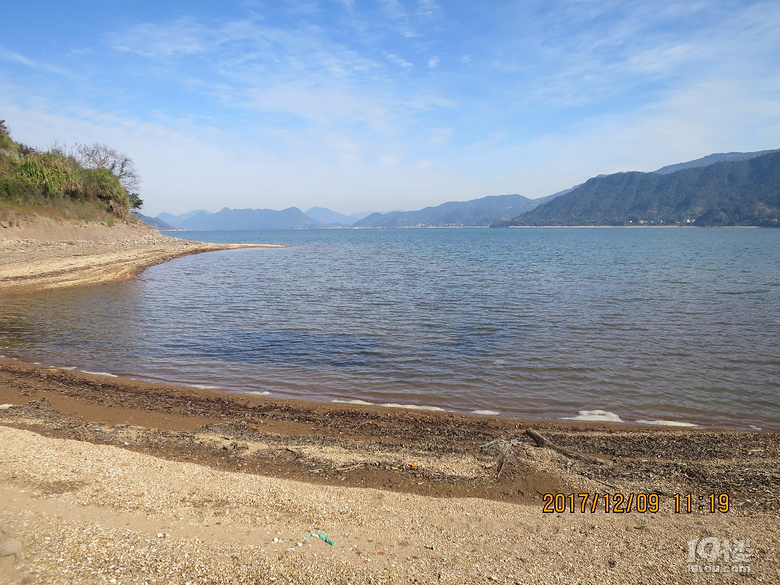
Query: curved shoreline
[29,265]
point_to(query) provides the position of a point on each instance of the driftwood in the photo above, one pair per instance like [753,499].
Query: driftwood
[542,442]
[503,448]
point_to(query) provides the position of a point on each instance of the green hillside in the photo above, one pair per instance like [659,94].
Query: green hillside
[83,184]
[738,193]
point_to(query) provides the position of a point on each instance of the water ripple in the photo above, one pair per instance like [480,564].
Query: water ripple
[670,326]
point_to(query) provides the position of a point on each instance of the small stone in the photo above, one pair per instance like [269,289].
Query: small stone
[10,547]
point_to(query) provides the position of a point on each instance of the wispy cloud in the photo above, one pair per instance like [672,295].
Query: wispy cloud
[398,60]
[20,59]
[298,72]
[153,40]
[440,136]
[428,8]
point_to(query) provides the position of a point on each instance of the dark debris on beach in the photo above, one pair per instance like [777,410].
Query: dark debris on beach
[740,463]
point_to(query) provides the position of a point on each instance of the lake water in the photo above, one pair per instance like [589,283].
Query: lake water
[663,325]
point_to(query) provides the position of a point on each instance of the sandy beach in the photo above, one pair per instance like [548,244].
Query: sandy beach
[47,257]
[105,480]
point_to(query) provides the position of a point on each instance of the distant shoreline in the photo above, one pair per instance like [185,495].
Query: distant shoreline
[716,227]
[476,227]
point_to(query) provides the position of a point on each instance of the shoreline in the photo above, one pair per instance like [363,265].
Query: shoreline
[594,417]
[63,403]
[87,255]
[228,485]
[105,479]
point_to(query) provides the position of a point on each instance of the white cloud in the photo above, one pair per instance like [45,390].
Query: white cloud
[427,8]
[393,8]
[433,62]
[20,59]
[152,40]
[398,60]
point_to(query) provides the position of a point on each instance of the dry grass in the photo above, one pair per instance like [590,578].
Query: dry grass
[58,209]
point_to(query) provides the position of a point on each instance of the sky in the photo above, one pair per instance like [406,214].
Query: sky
[378,105]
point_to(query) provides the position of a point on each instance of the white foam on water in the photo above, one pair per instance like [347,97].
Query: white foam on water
[202,386]
[362,402]
[254,392]
[486,412]
[412,406]
[755,428]
[104,374]
[67,368]
[666,423]
[595,416]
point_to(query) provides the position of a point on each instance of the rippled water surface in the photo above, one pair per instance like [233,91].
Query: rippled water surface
[678,325]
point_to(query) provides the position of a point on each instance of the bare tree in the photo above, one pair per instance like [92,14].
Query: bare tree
[100,156]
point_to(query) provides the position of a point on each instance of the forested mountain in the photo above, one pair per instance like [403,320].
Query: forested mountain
[477,212]
[712,159]
[743,192]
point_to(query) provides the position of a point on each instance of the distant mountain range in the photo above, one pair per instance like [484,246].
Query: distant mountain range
[246,219]
[252,219]
[720,189]
[478,212]
[155,222]
[332,218]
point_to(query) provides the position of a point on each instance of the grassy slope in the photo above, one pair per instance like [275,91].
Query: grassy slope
[56,186]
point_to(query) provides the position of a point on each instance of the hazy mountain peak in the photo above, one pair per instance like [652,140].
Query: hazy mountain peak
[712,159]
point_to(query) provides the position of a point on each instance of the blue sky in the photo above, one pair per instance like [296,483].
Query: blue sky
[361,105]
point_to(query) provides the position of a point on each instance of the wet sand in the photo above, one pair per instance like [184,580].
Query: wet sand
[104,480]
